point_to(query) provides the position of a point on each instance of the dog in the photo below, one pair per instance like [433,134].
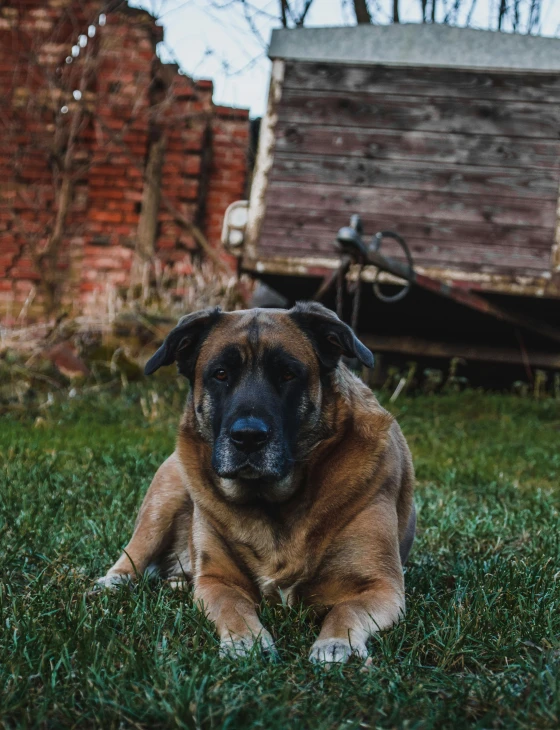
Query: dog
[289,481]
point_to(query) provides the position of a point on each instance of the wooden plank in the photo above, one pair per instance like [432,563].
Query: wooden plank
[299,222]
[540,285]
[265,159]
[441,267]
[441,114]
[319,244]
[403,204]
[425,253]
[555,254]
[430,82]
[539,184]
[420,146]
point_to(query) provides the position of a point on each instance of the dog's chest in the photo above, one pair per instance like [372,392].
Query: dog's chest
[279,573]
[278,591]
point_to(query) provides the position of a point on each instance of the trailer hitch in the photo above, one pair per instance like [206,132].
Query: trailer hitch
[353,249]
[349,242]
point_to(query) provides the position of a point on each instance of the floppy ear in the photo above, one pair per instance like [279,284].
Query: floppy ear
[183,342]
[331,338]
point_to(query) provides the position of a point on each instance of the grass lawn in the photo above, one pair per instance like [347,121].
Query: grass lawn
[480,646]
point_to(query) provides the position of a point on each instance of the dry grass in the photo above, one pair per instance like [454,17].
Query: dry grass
[111,341]
[162,296]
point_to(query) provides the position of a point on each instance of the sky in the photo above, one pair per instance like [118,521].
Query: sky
[226,40]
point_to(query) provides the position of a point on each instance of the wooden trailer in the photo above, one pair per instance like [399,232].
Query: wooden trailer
[449,137]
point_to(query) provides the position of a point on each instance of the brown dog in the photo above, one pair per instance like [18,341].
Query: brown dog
[288,480]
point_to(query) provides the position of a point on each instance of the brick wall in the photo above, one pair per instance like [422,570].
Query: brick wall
[48,51]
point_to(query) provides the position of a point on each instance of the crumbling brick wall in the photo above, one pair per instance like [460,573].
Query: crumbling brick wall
[50,50]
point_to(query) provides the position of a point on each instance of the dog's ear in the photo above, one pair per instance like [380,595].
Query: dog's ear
[330,337]
[183,342]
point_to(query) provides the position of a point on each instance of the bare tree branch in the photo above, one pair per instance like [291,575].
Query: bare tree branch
[62,156]
[300,21]
[470,13]
[151,196]
[252,25]
[534,16]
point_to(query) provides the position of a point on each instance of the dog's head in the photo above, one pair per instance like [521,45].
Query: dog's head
[257,379]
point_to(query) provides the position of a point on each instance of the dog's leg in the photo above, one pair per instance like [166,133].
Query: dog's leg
[176,568]
[408,539]
[369,597]
[165,505]
[227,594]
[351,622]
[233,611]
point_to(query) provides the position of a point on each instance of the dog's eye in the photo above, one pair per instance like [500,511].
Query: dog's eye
[288,375]
[220,374]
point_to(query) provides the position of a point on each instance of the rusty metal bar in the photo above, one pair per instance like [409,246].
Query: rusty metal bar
[330,280]
[482,353]
[463,296]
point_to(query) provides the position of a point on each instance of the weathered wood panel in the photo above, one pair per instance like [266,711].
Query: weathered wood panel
[492,250]
[299,222]
[440,114]
[430,82]
[431,247]
[484,258]
[464,164]
[539,184]
[331,139]
[407,204]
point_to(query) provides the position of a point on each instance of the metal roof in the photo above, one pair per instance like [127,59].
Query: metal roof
[418,45]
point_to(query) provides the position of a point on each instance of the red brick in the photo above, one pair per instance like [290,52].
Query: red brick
[107,193]
[105,216]
[110,190]
[192,164]
[89,286]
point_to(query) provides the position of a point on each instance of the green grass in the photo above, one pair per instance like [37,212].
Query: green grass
[479,647]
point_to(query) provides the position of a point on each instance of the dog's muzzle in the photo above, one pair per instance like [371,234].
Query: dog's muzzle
[249,449]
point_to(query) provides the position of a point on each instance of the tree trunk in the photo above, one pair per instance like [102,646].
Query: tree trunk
[284,12]
[362,11]
[501,13]
[396,16]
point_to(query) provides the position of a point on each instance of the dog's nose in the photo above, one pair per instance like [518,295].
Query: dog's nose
[249,434]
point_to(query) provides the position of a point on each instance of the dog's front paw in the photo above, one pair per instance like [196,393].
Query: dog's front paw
[112,581]
[243,646]
[335,651]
